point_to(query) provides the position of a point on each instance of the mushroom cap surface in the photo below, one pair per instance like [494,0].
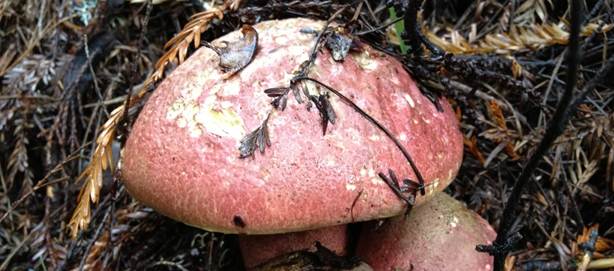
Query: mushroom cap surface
[182,156]
[438,235]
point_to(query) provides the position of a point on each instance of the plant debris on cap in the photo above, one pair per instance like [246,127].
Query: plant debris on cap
[235,55]
[182,157]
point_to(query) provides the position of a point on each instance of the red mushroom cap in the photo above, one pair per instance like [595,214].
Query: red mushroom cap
[439,235]
[182,155]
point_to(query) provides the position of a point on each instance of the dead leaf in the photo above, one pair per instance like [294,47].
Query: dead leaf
[339,43]
[472,146]
[510,261]
[604,244]
[586,242]
[236,55]
[497,115]
[516,68]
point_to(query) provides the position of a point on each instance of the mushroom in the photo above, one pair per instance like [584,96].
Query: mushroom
[209,149]
[439,235]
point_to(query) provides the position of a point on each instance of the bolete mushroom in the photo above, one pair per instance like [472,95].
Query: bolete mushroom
[439,235]
[212,151]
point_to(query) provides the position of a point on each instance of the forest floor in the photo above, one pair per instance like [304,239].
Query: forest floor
[67,66]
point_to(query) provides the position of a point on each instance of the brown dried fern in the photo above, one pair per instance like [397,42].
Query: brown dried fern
[92,175]
[101,159]
[18,160]
[519,38]
[531,11]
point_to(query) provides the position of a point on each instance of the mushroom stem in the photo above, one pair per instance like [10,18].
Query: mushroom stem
[258,249]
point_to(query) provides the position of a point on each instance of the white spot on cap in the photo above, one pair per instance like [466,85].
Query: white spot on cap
[377,181]
[374,137]
[335,70]
[403,137]
[330,161]
[213,90]
[175,110]
[219,118]
[298,51]
[281,40]
[409,100]
[232,88]
[371,172]
[350,187]
[394,80]
[363,172]
[182,123]
[432,187]
[454,222]
[365,61]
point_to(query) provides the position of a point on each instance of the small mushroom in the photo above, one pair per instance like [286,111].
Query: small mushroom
[439,235]
[182,157]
